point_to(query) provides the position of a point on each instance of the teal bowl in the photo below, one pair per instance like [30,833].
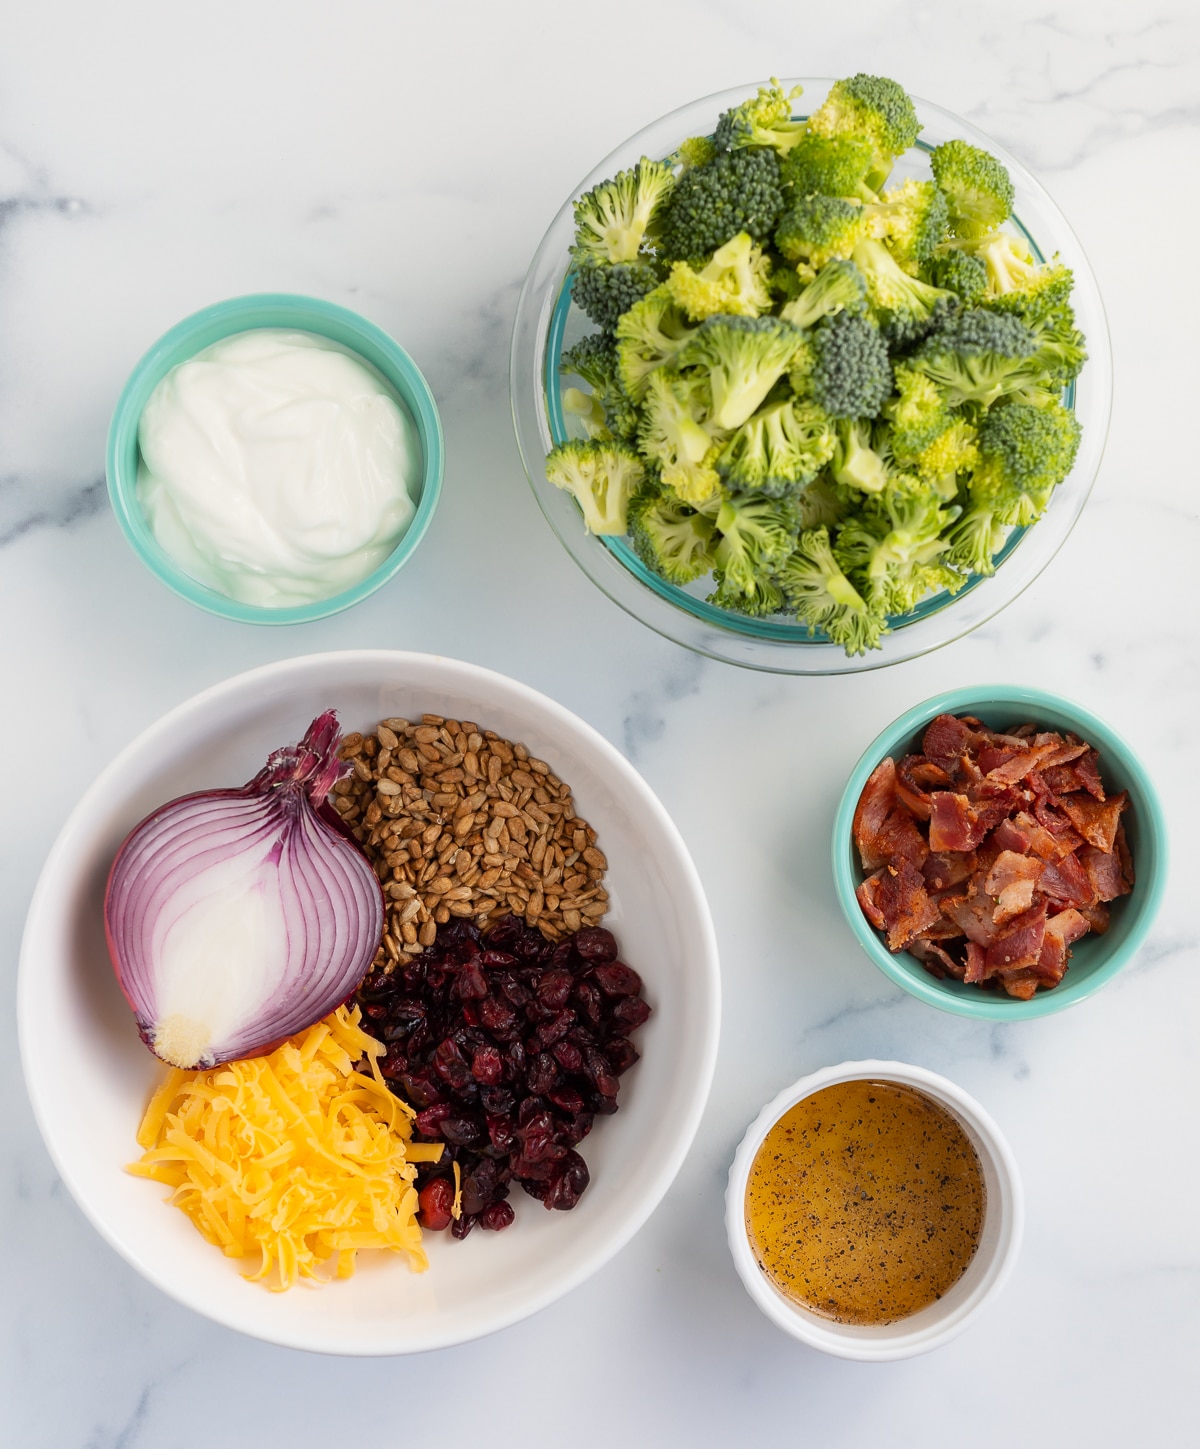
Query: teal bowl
[1095,960]
[244,314]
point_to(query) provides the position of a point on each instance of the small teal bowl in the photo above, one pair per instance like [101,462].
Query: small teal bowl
[1095,960]
[244,314]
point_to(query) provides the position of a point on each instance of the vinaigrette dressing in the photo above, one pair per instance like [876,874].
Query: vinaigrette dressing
[865,1202]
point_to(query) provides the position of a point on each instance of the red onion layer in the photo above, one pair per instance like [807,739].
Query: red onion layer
[236,918]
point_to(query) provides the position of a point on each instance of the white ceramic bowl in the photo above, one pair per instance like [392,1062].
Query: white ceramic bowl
[89,1076]
[1003,1222]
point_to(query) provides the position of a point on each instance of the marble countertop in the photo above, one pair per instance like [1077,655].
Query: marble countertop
[404,160]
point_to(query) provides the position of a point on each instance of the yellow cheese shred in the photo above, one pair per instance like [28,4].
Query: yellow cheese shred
[295,1157]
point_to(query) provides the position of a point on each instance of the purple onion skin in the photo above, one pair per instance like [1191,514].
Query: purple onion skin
[294,777]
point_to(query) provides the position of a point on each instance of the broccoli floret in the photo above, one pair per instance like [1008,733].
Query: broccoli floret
[820,595]
[744,357]
[605,290]
[587,408]
[896,545]
[855,463]
[918,414]
[780,448]
[953,452]
[612,220]
[736,281]
[602,476]
[907,307]
[695,151]
[817,229]
[838,287]
[763,120]
[851,375]
[975,539]
[976,356]
[594,359]
[1018,283]
[977,187]
[756,535]
[873,109]
[765,600]
[670,538]
[1025,452]
[829,166]
[653,332]
[823,503]
[676,426]
[735,191]
[1061,350]
[913,218]
[961,273]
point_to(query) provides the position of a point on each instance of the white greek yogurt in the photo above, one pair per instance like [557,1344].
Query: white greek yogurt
[276,468]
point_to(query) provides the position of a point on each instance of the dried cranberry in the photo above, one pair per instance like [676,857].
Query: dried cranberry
[497,1100]
[470,983]
[487,1066]
[497,1017]
[621,1053]
[501,1133]
[554,988]
[596,945]
[461,1226]
[587,998]
[449,1064]
[542,1075]
[435,1200]
[419,1090]
[578,1128]
[460,1130]
[557,1027]
[566,1186]
[395,1064]
[629,1013]
[598,1072]
[566,1098]
[567,1055]
[616,979]
[496,1217]
[429,1122]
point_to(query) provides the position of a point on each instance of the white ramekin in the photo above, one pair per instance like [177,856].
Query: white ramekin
[1003,1222]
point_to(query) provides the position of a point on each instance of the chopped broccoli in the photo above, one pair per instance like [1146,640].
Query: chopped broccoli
[873,109]
[918,414]
[765,599]
[586,406]
[912,218]
[670,538]
[896,544]
[676,429]
[602,476]
[653,332]
[763,120]
[975,539]
[976,356]
[612,220]
[735,281]
[851,375]
[779,448]
[961,273]
[744,357]
[695,151]
[829,166]
[977,187]
[952,452]
[817,229]
[823,502]
[735,191]
[1060,353]
[594,359]
[1025,453]
[604,290]
[1018,283]
[756,534]
[855,462]
[907,307]
[821,596]
[838,287]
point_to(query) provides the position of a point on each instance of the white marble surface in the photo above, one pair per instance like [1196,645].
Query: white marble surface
[404,160]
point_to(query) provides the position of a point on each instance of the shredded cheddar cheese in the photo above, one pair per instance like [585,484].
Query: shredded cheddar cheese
[294,1156]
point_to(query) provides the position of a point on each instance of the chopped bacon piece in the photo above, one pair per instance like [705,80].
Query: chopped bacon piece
[936,961]
[1088,770]
[946,740]
[899,839]
[874,806]
[1016,767]
[972,914]
[958,823]
[1009,836]
[976,963]
[1021,943]
[867,894]
[1096,916]
[1011,880]
[1066,882]
[905,904]
[1064,752]
[1045,843]
[948,868]
[1096,820]
[1061,931]
[914,775]
[1104,873]
[1021,984]
[1123,855]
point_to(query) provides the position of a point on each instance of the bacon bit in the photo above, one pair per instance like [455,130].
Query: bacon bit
[1096,821]
[991,853]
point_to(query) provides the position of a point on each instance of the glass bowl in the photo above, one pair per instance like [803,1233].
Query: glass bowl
[547,322]
[371,344]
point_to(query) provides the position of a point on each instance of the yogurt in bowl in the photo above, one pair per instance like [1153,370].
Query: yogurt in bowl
[275,458]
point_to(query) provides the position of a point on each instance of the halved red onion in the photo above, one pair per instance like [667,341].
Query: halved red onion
[236,918]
